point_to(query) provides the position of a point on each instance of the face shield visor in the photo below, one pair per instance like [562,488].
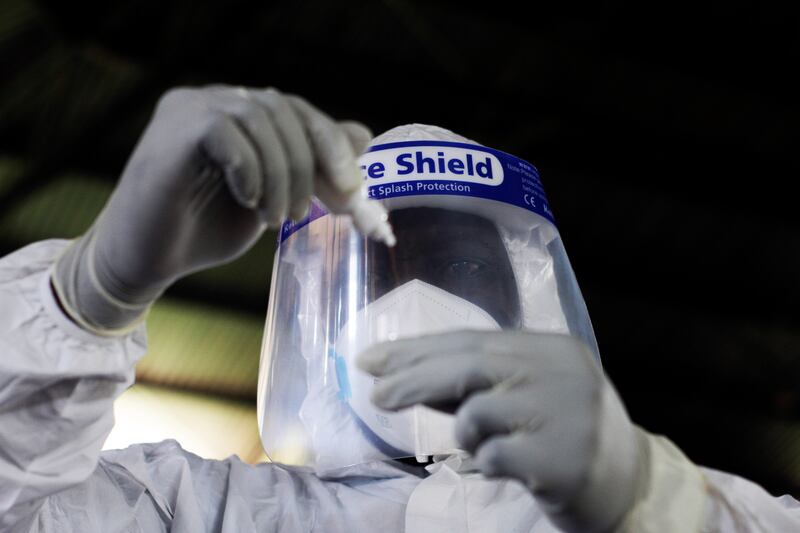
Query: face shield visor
[476,249]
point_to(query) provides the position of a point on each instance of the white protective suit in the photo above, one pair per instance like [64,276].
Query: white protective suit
[57,386]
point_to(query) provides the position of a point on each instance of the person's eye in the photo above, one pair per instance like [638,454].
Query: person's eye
[465,268]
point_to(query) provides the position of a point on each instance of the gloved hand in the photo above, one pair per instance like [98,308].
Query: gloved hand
[213,169]
[535,407]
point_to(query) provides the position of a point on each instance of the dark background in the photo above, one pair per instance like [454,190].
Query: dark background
[665,137]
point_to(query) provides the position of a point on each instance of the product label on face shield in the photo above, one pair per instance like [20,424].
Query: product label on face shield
[439,167]
[417,168]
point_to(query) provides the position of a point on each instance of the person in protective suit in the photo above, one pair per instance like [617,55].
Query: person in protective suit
[551,446]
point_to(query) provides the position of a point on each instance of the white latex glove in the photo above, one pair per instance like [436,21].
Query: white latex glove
[213,169]
[535,407]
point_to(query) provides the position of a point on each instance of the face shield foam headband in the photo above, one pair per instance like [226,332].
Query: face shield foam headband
[476,249]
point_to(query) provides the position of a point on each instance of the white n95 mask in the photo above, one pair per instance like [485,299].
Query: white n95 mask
[413,309]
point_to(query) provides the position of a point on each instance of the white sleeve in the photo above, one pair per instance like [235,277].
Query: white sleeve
[738,505]
[57,386]
[680,497]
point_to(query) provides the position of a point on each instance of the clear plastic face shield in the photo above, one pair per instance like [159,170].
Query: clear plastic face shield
[476,249]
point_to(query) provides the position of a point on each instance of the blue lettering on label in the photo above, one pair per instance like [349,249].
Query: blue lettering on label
[375,170]
[418,163]
[407,168]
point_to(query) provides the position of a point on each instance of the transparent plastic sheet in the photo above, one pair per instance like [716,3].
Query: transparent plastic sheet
[471,263]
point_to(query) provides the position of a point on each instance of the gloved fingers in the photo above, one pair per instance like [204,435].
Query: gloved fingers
[335,200]
[332,149]
[546,352]
[443,380]
[513,455]
[541,463]
[339,183]
[230,150]
[297,147]
[499,411]
[257,124]
[386,357]
[359,135]
[430,382]
[372,219]
[369,218]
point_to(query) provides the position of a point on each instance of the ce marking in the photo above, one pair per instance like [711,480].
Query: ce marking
[528,200]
